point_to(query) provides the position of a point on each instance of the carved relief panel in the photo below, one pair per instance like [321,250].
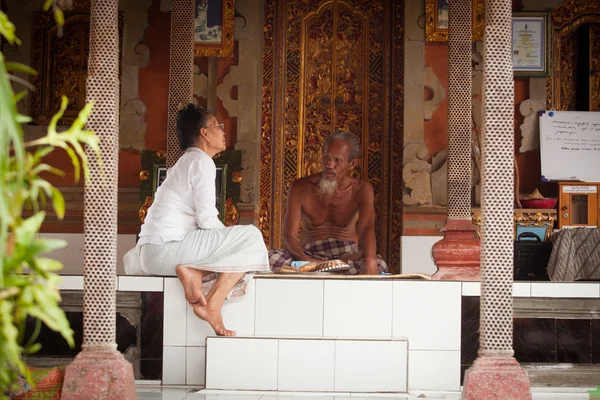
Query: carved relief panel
[339,68]
[61,63]
[568,44]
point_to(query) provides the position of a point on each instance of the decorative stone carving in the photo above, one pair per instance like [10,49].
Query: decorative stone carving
[439,178]
[530,128]
[224,89]
[438,93]
[249,162]
[200,83]
[132,126]
[416,175]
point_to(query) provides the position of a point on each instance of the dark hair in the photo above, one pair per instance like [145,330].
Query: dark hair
[189,121]
[352,140]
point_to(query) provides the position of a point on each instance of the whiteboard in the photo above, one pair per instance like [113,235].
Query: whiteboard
[570,146]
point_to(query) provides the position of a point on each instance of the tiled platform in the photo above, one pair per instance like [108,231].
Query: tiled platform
[150,393]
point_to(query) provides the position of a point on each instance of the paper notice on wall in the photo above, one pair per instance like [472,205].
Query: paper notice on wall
[570,146]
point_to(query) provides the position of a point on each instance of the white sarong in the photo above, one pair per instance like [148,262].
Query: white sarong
[237,248]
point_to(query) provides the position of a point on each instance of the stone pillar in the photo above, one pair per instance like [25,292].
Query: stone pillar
[100,371]
[457,254]
[181,71]
[496,374]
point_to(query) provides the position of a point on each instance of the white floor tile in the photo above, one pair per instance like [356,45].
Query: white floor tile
[306,365]
[289,307]
[242,364]
[422,308]
[195,365]
[238,315]
[370,366]
[565,289]
[141,283]
[357,309]
[223,396]
[173,365]
[433,370]
[175,309]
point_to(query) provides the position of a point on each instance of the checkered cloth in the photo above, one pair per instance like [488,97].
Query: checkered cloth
[328,249]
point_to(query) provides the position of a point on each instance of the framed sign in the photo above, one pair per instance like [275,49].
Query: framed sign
[213,28]
[530,44]
[436,20]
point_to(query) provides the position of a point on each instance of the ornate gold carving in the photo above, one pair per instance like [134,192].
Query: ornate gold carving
[61,63]
[236,177]
[232,214]
[565,20]
[594,68]
[144,175]
[144,208]
[336,73]
[434,33]
[225,48]
[525,217]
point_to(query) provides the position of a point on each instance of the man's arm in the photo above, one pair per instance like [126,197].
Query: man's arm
[366,228]
[291,223]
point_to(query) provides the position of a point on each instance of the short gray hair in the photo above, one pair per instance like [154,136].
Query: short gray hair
[352,140]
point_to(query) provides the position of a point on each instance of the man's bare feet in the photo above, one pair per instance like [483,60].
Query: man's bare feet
[191,279]
[214,318]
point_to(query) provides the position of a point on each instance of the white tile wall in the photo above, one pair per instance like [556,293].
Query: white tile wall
[306,365]
[520,289]
[358,309]
[70,282]
[238,315]
[289,307]
[433,370]
[428,314]
[370,366]
[242,364]
[174,365]
[416,254]
[174,317]
[195,365]
[565,289]
[140,283]
[72,255]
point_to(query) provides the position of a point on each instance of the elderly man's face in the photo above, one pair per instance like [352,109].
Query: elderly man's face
[335,161]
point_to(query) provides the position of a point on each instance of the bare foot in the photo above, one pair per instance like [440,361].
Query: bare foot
[191,279]
[214,318]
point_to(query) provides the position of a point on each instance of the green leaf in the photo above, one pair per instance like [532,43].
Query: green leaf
[18,67]
[47,5]
[58,202]
[27,231]
[49,265]
[7,29]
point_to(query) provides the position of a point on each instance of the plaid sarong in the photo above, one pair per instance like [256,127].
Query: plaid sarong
[328,249]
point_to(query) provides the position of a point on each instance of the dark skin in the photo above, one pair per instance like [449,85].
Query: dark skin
[335,215]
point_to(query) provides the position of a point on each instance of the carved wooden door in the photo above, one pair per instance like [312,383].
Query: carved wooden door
[332,65]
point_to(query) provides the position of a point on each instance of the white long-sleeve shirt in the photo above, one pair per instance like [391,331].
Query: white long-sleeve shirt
[184,202]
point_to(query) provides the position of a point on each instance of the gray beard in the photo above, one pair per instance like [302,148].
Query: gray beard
[327,187]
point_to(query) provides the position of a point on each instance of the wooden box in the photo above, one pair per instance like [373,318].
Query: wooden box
[578,204]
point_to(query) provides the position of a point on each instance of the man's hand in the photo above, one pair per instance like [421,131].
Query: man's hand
[370,268]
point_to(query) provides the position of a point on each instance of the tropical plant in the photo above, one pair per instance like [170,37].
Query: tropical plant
[28,280]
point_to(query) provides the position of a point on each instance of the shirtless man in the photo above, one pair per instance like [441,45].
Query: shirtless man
[329,204]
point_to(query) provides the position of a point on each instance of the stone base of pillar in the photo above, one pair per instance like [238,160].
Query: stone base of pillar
[496,378]
[99,372]
[457,254]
